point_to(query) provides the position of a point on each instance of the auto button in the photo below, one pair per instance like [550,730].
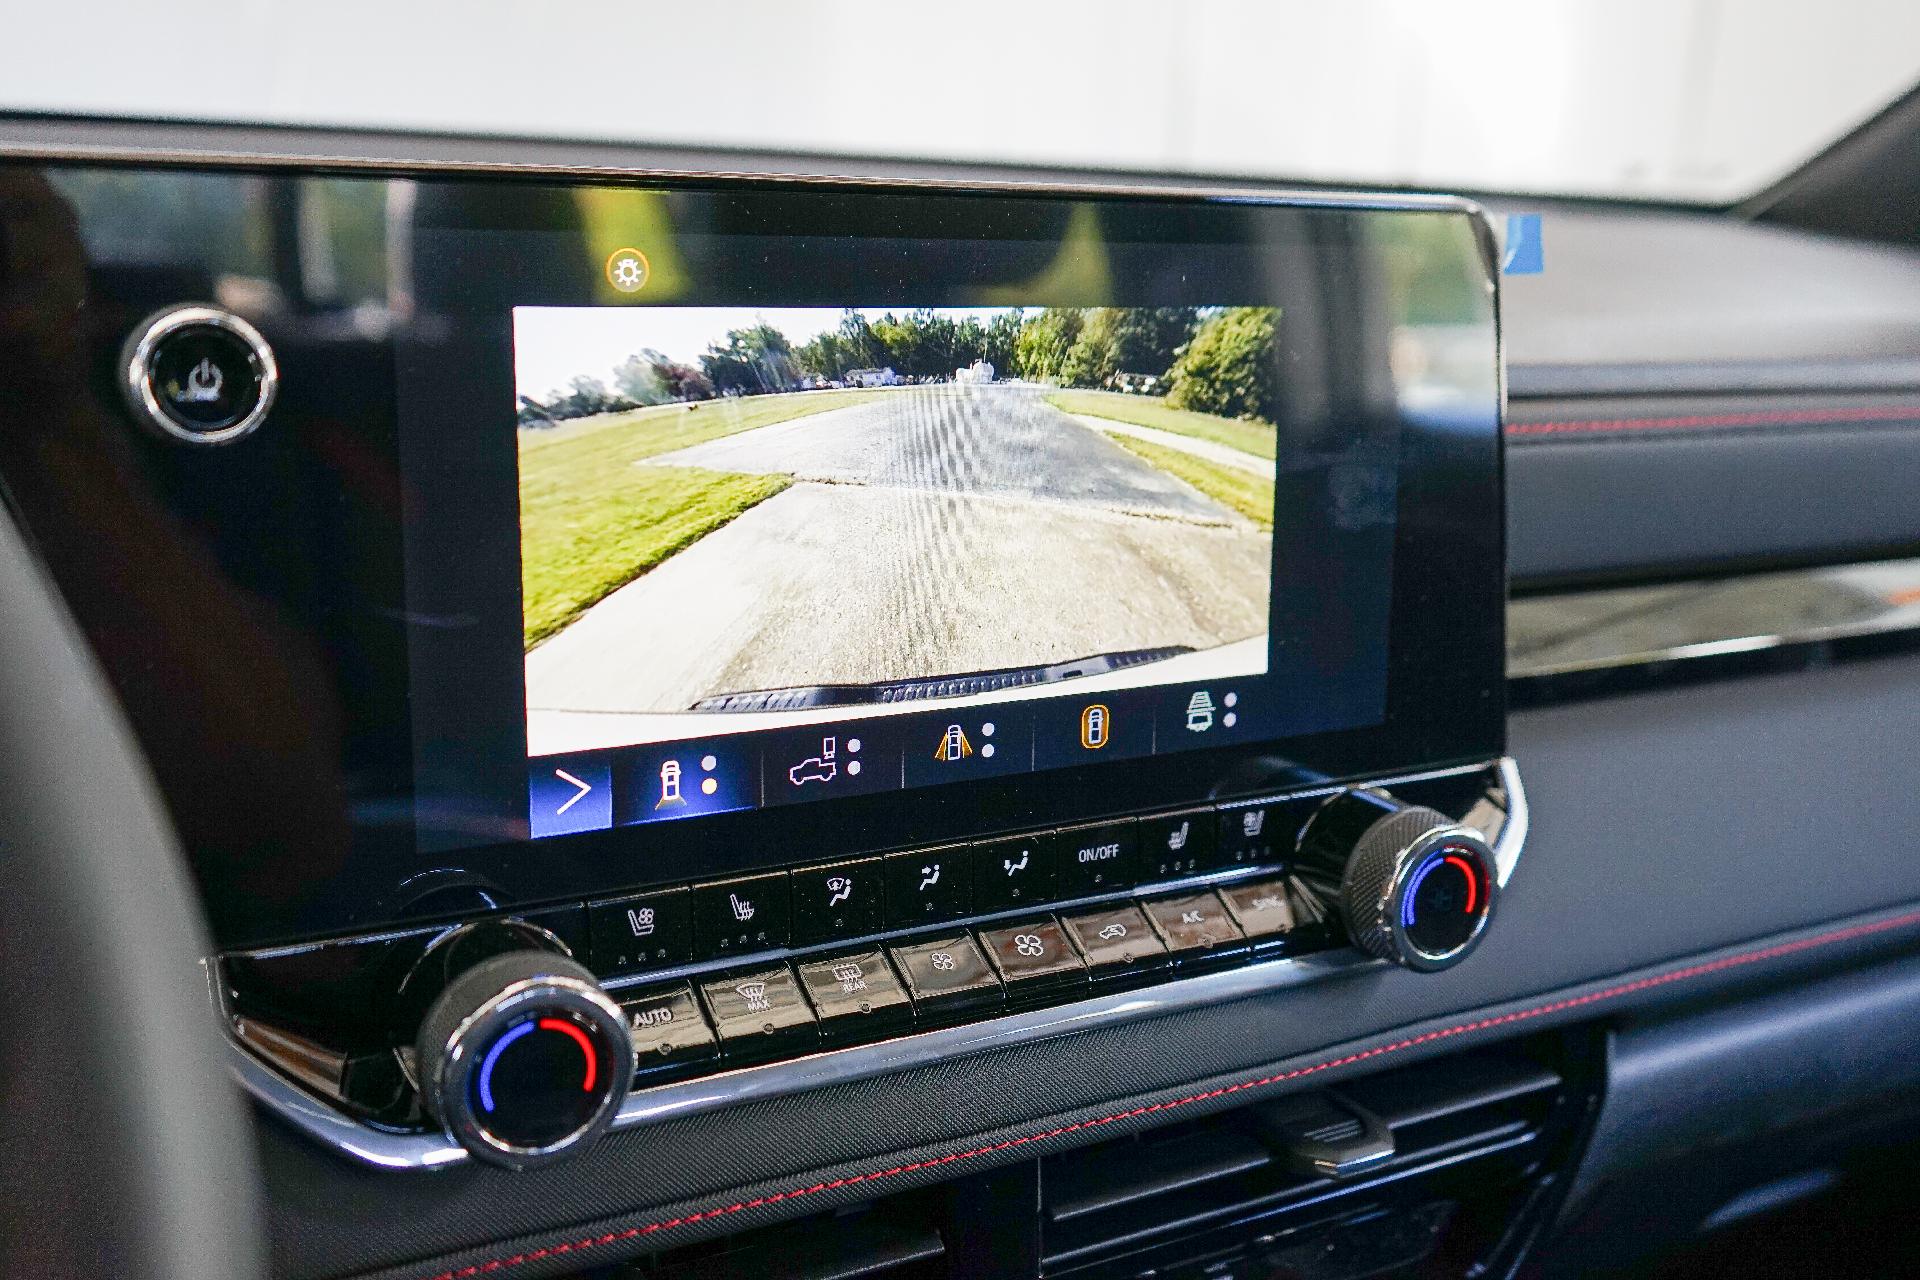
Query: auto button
[670,1034]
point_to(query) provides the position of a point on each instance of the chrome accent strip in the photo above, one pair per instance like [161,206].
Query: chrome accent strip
[1506,806]
[1583,631]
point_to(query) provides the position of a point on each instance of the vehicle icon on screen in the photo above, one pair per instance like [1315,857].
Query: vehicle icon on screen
[822,768]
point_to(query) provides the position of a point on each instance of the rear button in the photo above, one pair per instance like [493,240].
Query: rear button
[856,996]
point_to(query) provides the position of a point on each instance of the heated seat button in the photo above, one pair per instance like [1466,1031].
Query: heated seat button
[1032,957]
[927,886]
[645,931]
[1195,926]
[1261,833]
[1173,845]
[1261,909]
[857,996]
[1012,873]
[737,917]
[760,1014]
[670,1034]
[947,975]
[1115,940]
[838,902]
[1098,859]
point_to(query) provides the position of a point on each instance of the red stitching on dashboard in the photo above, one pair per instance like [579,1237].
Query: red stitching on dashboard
[1773,418]
[955,1157]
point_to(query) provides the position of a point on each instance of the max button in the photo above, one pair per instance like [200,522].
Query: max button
[762,1014]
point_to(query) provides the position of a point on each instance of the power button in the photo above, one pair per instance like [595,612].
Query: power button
[199,375]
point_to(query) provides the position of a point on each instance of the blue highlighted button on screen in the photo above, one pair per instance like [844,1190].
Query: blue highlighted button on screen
[566,794]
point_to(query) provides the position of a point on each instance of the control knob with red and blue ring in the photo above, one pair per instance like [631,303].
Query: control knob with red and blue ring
[523,1059]
[1410,884]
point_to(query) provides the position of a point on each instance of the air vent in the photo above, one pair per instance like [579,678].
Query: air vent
[1460,1127]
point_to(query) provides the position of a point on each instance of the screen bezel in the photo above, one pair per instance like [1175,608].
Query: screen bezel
[1445,691]
[1445,688]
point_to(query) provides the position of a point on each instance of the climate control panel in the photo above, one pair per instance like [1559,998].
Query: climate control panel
[520,1037]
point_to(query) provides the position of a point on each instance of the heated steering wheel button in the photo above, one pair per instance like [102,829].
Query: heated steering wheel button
[670,1034]
[761,1014]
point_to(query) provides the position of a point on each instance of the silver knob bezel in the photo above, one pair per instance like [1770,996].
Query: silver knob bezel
[1372,901]
[448,1075]
[136,372]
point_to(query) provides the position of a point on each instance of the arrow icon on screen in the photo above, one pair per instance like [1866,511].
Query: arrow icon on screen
[585,787]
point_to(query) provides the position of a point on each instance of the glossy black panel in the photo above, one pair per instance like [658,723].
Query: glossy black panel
[316,630]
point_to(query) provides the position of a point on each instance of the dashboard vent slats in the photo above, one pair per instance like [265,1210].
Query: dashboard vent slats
[1181,1182]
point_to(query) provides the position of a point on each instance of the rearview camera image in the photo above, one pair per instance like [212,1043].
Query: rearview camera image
[734,519]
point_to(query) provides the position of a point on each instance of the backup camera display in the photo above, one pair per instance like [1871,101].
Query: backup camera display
[740,520]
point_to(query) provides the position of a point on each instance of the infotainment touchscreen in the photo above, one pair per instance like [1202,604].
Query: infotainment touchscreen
[784,554]
[610,533]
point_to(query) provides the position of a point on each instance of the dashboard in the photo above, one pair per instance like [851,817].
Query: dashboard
[702,708]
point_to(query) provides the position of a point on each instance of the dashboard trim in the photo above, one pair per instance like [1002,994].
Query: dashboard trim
[1525,1013]
[1504,820]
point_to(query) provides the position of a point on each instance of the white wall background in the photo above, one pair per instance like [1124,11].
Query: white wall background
[1704,99]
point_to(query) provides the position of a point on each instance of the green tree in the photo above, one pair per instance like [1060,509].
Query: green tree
[1231,367]
[1045,340]
[1089,362]
[998,342]
[1148,339]
[750,361]
[638,378]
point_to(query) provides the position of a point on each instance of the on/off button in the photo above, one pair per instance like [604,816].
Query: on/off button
[1095,859]
[199,375]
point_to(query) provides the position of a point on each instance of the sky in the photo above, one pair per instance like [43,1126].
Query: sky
[552,344]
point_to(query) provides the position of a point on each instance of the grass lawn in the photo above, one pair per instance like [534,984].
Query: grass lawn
[591,521]
[663,428]
[1256,438]
[1240,491]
